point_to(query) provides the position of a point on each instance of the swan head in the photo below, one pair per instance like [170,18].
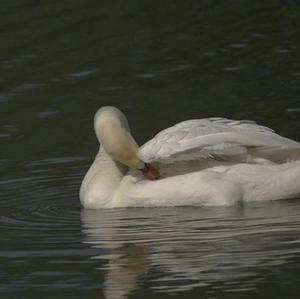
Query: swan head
[113,132]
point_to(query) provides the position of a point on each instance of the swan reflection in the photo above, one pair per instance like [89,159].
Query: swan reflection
[127,260]
[172,250]
[128,263]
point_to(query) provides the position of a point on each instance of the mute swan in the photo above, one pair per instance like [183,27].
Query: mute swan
[213,161]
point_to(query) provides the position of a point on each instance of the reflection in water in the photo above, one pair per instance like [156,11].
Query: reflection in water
[182,249]
[126,265]
[160,64]
[127,262]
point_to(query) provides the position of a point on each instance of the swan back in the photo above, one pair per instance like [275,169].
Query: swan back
[218,138]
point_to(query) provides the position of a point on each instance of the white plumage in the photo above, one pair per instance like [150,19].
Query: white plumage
[214,161]
[217,138]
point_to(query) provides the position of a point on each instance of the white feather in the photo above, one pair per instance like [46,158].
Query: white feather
[215,138]
[204,162]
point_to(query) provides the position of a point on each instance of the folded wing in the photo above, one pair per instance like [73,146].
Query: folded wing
[217,138]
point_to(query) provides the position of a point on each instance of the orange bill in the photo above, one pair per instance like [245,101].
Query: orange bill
[151,173]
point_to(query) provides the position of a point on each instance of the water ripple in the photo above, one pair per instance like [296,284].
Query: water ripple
[191,247]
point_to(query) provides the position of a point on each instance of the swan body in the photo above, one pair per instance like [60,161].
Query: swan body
[207,162]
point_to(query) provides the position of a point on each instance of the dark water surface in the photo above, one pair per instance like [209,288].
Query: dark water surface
[160,62]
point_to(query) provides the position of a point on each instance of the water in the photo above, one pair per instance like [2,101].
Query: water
[59,62]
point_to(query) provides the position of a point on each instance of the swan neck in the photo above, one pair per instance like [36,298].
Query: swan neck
[102,155]
[110,164]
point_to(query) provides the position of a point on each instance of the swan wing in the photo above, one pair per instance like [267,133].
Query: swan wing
[215,138]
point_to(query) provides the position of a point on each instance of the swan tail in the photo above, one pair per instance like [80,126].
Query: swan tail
[277,155]
[289,181]
[269,182]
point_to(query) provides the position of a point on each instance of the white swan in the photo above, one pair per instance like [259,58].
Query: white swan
[213,161]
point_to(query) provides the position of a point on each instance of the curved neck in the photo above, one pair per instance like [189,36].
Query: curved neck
[101,181]
[108,167]
[111,165]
